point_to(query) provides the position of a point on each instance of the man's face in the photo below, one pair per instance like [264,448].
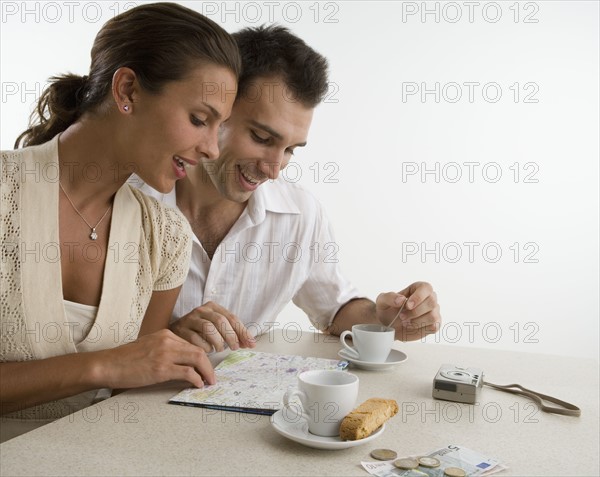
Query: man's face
[265,127]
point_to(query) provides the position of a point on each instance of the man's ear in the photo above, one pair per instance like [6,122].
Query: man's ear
[125,89]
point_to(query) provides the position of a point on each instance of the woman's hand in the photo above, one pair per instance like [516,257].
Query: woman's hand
[158,357]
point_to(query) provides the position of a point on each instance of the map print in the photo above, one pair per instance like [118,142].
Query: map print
[253,382]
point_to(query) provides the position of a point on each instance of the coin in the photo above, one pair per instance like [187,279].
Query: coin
[454,472]
[406,463]
[383,454]
[429,462]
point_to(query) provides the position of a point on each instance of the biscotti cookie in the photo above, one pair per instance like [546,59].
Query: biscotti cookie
[367,418]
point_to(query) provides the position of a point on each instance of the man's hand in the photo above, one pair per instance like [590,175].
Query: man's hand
[420,315]
[210,326]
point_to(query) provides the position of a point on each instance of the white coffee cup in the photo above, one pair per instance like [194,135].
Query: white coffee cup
[326,397]
[372,343]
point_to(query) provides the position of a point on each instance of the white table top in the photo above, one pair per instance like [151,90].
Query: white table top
[138,433]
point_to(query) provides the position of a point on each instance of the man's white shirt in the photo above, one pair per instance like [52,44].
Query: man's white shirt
[281,248]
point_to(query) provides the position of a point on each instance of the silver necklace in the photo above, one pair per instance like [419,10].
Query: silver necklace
[93,234]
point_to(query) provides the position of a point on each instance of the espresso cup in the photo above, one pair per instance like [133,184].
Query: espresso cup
[325,398]
[372,343]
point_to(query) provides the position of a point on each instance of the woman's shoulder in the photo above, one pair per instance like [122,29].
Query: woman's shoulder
[159,217]
[47,150]
[31,164]
[168,237]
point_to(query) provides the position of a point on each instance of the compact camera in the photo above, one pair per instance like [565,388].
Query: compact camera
[453,383]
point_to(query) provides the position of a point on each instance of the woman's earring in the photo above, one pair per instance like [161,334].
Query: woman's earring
[126,108]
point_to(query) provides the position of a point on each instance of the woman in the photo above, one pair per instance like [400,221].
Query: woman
[88,262]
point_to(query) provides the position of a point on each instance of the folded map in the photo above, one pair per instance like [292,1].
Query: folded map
[253,382]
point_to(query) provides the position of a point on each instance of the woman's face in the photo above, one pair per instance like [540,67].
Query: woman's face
[178,127]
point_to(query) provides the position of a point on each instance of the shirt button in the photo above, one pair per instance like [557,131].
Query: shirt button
[213,291]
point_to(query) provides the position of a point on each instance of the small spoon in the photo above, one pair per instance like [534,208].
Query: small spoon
[399,311]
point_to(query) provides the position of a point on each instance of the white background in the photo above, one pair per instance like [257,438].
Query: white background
[373,139]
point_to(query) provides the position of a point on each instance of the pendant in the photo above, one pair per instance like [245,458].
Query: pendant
[93,235]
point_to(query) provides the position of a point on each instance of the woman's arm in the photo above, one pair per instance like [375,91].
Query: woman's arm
[158,313]
[154,358]
[28,383]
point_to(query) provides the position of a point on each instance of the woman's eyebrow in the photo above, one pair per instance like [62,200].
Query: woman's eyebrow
[213,111]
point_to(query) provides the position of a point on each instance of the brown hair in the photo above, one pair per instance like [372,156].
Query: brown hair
[275,51]
[159,41]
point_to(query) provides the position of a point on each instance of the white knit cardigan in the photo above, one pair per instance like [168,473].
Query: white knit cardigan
[149,249]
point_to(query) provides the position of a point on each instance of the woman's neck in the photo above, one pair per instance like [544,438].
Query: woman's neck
[91,169]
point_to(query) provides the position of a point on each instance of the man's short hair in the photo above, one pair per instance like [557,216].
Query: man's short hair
[274,51]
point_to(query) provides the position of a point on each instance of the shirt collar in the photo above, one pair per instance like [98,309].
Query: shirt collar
[271,197]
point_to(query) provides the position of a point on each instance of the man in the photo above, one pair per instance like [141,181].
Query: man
[260,241]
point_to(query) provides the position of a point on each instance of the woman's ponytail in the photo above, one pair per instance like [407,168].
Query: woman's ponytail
[58,108]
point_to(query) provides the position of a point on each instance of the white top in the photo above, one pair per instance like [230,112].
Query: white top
[80,318]
[281,249]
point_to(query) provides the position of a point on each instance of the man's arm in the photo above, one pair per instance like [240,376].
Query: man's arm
[420,316]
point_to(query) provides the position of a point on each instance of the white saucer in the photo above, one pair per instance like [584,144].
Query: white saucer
[395,357]
[296,429]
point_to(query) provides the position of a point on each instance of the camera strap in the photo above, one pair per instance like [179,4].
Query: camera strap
[567,409]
